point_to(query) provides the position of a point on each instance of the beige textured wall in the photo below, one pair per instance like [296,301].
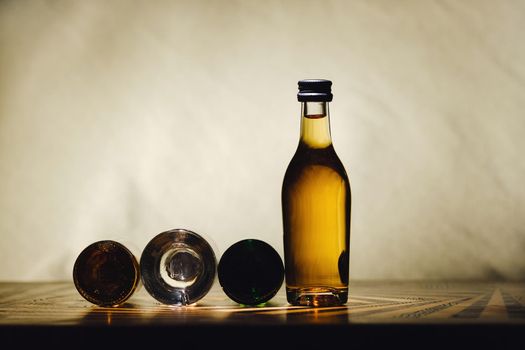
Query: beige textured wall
[121,119]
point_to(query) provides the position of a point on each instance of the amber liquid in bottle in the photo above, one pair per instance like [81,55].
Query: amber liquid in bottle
[316,204]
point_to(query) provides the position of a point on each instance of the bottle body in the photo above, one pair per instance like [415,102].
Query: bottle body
[316,203]
[106,273]
[178,267]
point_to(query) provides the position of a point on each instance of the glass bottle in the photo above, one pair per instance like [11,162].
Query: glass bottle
[178,267]
[251,272]
[106,273]
[316,203]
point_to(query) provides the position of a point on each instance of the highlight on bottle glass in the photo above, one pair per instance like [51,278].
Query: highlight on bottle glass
[178,267]
[316,204]
[106,273]
[251,272]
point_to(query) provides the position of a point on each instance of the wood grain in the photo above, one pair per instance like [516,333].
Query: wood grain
[369,303]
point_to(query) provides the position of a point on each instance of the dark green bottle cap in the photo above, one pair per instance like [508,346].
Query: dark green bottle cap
[251,272]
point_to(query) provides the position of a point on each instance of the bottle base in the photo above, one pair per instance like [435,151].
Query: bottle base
[317,296]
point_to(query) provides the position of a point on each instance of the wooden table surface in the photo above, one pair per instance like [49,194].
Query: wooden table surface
[483,310]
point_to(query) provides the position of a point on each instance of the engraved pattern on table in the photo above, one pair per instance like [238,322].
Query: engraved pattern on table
[369,302]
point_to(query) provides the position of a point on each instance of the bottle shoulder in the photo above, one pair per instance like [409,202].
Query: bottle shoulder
[306,158]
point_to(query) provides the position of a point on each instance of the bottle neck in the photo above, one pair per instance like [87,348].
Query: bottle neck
[315,125]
